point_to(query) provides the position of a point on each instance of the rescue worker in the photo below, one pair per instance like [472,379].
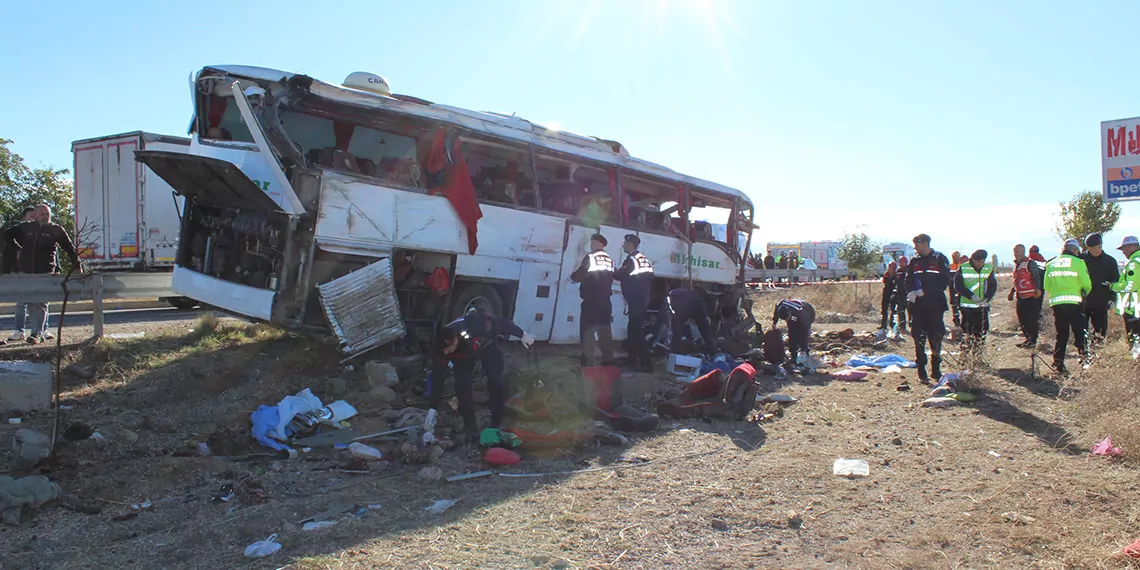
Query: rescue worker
[888,300]
[636,277]
[1103,272]
[684,305]
[36,243]
[1067,282]
[463,343]
[782,262]
[596,276]
[799,315]
[1029,290]
[976,284]
[956,262]
[927,278]
[900,297]
[1035,254]
[1127,290]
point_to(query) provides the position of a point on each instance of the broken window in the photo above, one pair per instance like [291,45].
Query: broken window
[348,147]
[500,173]
[221,119]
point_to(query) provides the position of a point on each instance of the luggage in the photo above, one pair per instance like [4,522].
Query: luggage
[714,394]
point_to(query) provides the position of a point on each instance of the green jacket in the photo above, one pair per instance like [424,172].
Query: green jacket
[1067,280]
[1128,288]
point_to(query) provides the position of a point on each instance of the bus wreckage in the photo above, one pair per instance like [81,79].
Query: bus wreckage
[385,216]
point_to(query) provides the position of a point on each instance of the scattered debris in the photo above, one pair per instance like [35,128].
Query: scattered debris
[939,402]
[19,497]
[365,452]
[809,422]
[897,441]
[778,398]
[794,519]
[225,494]
[127,336]
[30,447]
[904,386]
[1017,518]
[317,525]
[849,375]
[880,361]
[15,421]
[1132,550]
[381,375]
[893,369]
[1105,448]
[263,548]
[438,507]
[719,524]
[466,476]
[500,456]
[78,431]
[995,454]
[432,473]
[851,468]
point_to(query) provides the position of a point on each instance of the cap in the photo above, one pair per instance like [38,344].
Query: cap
[1093,240]
[1072,243]
[1129,240]
[601,238]
[979,255]
[632,238]
[921,238]
[1034,249]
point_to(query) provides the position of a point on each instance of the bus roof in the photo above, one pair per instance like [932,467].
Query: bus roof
[494,124]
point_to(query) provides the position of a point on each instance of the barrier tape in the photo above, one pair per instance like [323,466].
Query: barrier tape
[770,284]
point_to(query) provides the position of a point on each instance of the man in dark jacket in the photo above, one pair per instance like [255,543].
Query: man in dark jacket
[927,278]
[976,285]
[685,305]
[769,262]
[888,300]
[462,344]
[8,254]
[36,244]
[901,291]
[596,275]
[799,315]
[1103,272]
[636,277]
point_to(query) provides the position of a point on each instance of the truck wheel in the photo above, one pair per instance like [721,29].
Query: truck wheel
[184,303]
[476,296]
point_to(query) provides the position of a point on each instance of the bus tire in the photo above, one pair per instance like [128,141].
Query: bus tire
[184,303]
[476,296]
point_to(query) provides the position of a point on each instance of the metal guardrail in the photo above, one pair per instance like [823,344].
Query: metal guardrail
[94,287]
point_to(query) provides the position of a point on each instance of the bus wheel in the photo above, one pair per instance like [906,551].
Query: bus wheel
[479,297]
[184,303]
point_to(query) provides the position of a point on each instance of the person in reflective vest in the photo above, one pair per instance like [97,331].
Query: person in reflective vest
[1066,283]
[1029,291]
[927,278]
[636,277]
[1103,272]
[976,285]
[799,315]
[596,275]
[1128,292]
[463,343]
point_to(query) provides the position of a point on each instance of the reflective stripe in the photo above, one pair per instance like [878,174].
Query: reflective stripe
[975,282]
[1065,300]
[1065,274]
[1128,303]
[600,261]
[641,264]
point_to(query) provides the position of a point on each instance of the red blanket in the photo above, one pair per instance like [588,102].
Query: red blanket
[456,184]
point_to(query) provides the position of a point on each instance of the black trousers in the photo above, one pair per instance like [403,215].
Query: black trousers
[955,307]
[595,321]
[1029,317]
[1096,320]
[635,336]
[928,327]
[703,327]
[798,338]
[900,311]
[887,306]
[498,390]
[1069,318]
[975,323]
[1132,328]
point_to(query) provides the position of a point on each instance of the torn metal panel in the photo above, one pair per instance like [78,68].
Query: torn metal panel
[362,308]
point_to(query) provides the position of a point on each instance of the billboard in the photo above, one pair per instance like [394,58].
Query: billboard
[1120,159]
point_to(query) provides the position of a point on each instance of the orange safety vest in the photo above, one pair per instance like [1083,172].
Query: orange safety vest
[1023,281]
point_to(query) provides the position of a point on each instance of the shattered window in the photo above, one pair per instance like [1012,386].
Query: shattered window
[223,120]
[348,147]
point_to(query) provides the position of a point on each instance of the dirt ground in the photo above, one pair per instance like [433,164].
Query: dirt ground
[1004,482]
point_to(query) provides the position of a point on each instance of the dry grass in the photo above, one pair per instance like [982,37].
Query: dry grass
[860,299]
[1108,402]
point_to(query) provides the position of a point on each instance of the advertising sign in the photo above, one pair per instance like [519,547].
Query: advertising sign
[1120,159]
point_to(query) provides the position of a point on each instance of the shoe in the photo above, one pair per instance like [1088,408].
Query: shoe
[922,377]
[1030,345]
[48,336]
[35,339]
[16,336]
[1061,370]
[1136,351]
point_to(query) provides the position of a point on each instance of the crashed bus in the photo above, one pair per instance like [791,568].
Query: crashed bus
[309,204]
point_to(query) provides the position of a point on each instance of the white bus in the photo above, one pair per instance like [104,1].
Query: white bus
[308,203]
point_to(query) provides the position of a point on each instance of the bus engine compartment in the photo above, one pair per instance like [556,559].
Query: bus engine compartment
[239,245]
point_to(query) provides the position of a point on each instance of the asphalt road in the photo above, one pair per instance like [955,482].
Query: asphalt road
[119,317]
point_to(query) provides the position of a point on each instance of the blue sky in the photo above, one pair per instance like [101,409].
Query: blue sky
[967,120]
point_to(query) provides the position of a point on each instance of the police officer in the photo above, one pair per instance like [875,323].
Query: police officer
[1103,272]
[596,276]
[799,315]
[464,342]
[976,285]
[900,296]
[1067,282]
[685,305]
[1128,292]
[927,278]
[636,277]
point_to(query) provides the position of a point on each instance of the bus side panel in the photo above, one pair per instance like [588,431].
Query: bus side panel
[124,200]
[160,213]
[537,292]
[89,201]
[568,315]
[669,254]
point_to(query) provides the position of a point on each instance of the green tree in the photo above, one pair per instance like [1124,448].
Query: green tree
[1086,213]
[22,186]
[860,254]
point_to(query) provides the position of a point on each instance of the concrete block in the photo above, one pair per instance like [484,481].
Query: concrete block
[25,385]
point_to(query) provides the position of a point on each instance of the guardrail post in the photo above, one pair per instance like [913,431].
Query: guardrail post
[97,305]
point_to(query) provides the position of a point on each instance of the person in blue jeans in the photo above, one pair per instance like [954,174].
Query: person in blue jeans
[8,265]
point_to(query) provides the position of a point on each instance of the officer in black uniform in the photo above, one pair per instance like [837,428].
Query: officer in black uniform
[464,342]
[596,276]
[636,277]
[684,304]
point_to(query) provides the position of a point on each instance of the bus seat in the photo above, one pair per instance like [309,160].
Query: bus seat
[702,231]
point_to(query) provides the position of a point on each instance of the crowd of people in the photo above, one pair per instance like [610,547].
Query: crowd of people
[1082,284]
